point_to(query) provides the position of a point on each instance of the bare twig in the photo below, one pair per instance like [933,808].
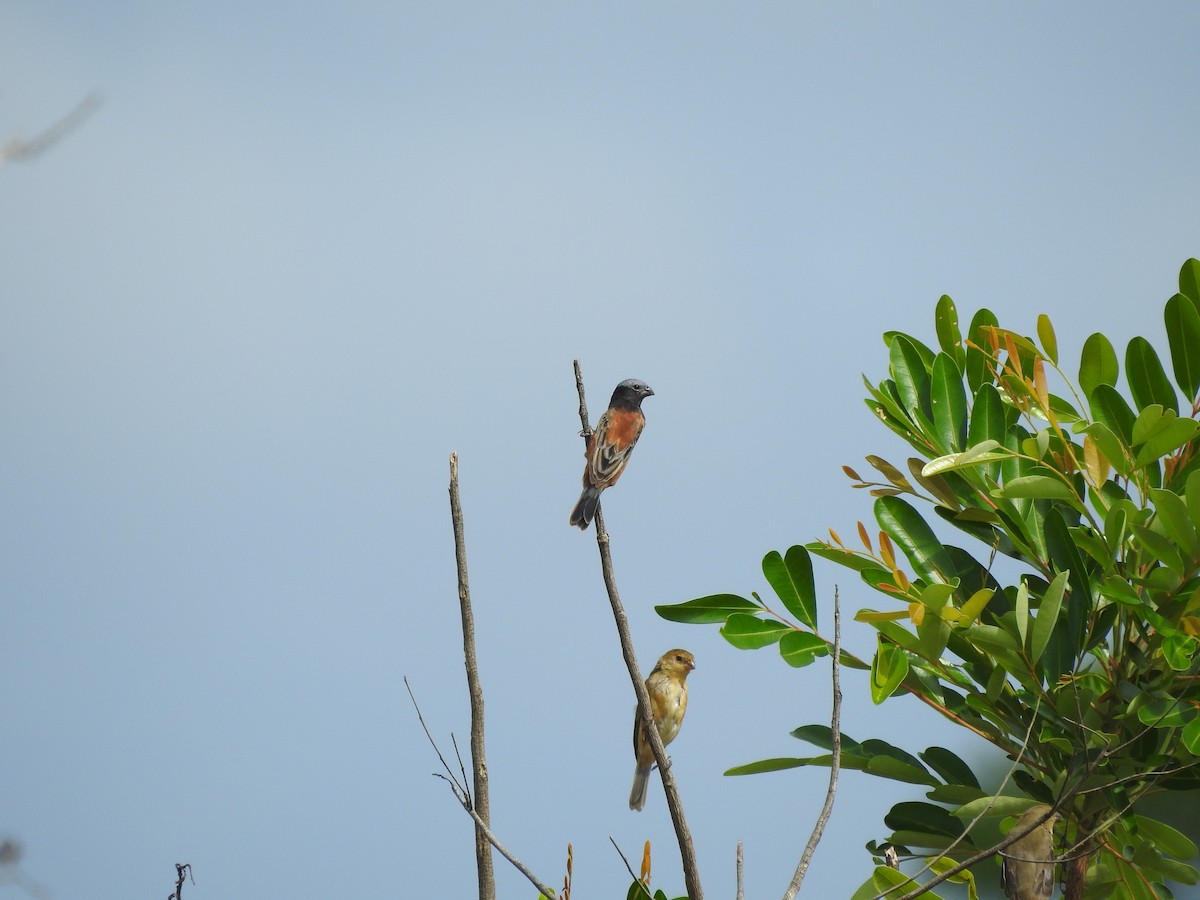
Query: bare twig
[462,796]
[835,762]
[687,850]
[481,805]
[629,869]
[740,891]
[19,149]
[183,871]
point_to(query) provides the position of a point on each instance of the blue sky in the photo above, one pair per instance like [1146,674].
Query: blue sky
[303,252]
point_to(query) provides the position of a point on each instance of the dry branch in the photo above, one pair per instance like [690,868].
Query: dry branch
[481,805]
[835,762]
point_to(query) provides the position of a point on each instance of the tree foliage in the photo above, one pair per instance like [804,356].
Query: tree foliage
[1063,630]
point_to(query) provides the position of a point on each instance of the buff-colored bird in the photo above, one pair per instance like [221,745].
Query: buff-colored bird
[667,686]
[1027,872]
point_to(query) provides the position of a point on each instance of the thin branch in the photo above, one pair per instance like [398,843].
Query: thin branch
[183,871]
[835,762]
[481,805]
[629,869]
[460,794]
[687,850]
[740,895]
[19,149]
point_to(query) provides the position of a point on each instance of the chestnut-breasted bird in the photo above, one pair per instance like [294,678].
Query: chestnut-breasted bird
[1027,872]
[667,686]
[609,447]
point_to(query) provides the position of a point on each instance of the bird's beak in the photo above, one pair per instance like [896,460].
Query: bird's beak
[649,391]
[692,664]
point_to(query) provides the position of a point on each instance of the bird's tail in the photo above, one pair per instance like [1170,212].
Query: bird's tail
[641,782]
[585,509]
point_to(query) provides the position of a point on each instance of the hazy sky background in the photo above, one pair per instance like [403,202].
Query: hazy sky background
[304,251]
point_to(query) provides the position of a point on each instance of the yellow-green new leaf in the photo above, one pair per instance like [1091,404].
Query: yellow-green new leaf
[1046,335]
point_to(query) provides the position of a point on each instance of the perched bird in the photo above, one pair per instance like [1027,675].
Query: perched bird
[667,686]
[610,445]
[1027,872]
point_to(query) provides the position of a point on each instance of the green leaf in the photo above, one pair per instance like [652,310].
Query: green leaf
[1189,281]
[792,579]
[990,421]
[945,320]
[978,363]
[1175,519]
[1110,445]
[905,526]
[1192,495]
[768,765]
[911,815]
[822,736]
[799,648]
[888,669]
[1110,409]
[991,637]
[976,455]
[1098,364]
[705,610]
[1147,380]
[1047,616]
[954,794]
[933,632]
[949,402]
[1162,711]
[1038,487]
[749,632]
[1183,335]
[993,806]
[1169,436]
[911,377]
[1191,740]
[899,770]
[974,606]
[889,883]
[949,766]
[1046,335]
[1177,650]
[1159,548]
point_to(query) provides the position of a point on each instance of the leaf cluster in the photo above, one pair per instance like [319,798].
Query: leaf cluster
[1063,630]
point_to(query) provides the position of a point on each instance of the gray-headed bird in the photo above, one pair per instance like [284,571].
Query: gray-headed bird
[609,447]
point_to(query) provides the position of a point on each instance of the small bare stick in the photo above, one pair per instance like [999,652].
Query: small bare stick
[481,805]
[463,797]
[835,763]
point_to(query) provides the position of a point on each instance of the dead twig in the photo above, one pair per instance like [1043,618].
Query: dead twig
[481,804]
[462,795]
[835,762]
[182,871]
